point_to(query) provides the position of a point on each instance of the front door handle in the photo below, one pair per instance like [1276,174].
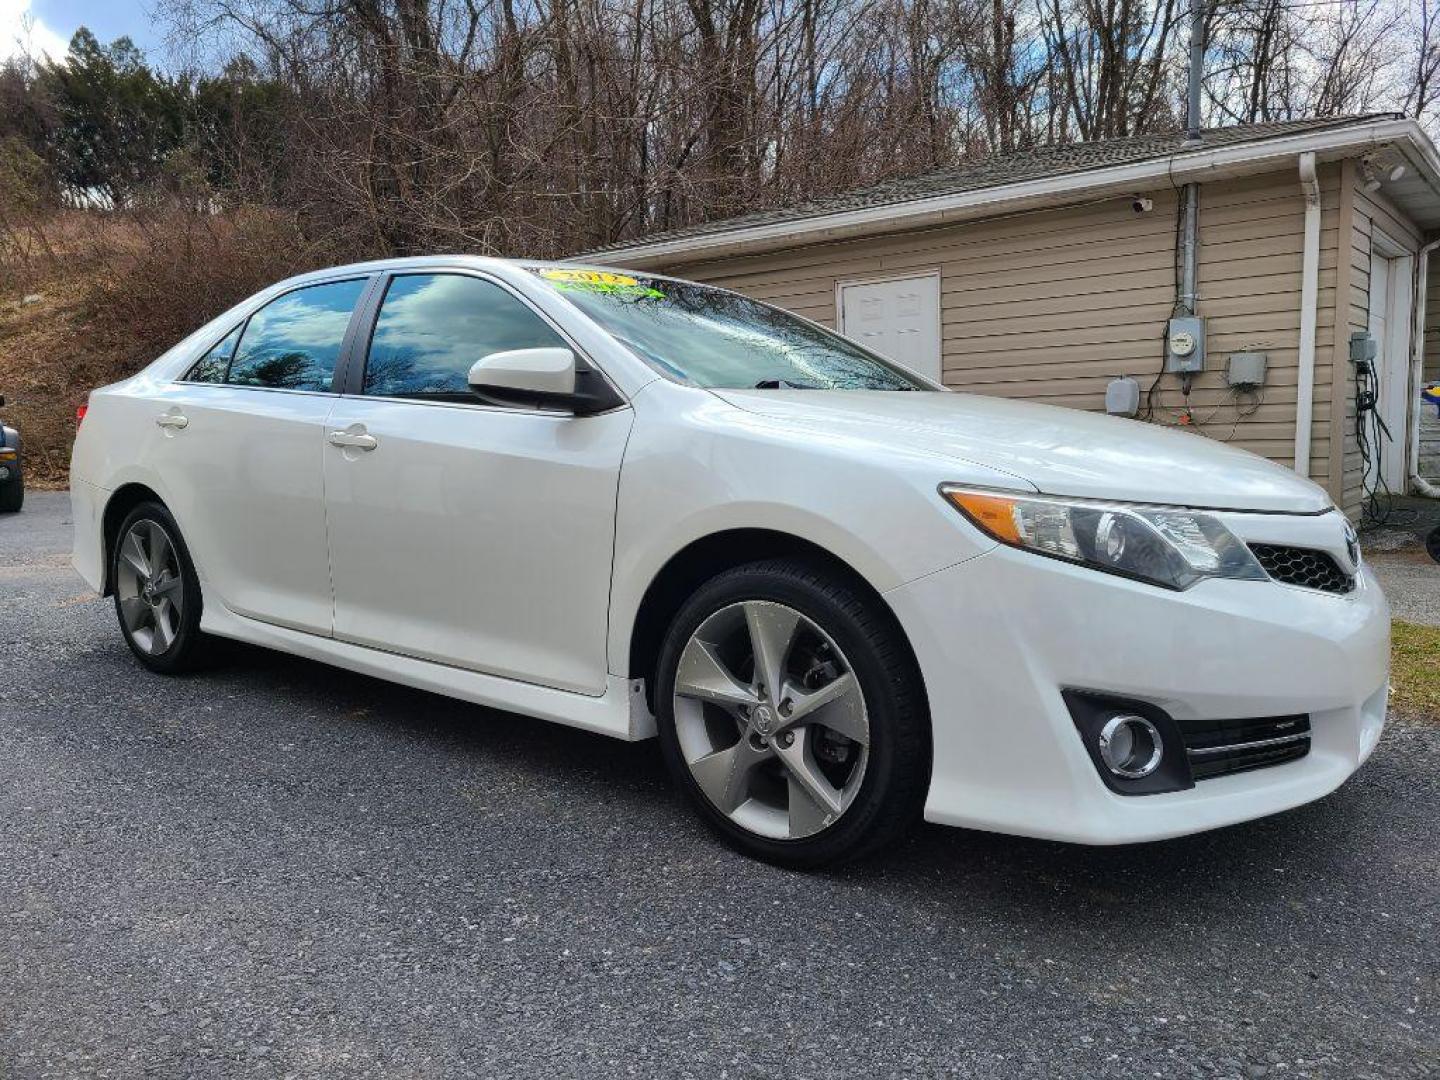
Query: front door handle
[355,438]
[172,420]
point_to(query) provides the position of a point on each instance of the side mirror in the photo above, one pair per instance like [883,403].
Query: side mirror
[550,377]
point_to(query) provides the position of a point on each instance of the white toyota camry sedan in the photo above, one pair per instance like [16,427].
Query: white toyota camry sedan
[843,597]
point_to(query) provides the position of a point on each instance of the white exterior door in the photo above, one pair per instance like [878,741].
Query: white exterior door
[899,318]
[1389,326]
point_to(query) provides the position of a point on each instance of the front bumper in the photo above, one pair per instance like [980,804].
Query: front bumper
[999,637]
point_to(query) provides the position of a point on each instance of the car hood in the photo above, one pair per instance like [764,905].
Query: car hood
[1060,451]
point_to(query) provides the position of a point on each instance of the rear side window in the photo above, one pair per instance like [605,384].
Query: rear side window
[433,327]
[292,343]
[214,364]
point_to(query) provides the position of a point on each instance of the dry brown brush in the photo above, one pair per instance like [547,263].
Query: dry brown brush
[89,297]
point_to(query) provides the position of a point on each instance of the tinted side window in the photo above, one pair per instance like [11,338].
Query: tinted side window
[292,343]
[433,327]
[212,366]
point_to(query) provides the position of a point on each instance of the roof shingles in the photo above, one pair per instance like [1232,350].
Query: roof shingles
[999,170]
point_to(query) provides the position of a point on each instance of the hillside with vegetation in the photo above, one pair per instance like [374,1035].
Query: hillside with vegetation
[95,297]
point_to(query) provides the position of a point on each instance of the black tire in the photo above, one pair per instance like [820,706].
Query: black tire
[190,648]
[12,495]
[892,790]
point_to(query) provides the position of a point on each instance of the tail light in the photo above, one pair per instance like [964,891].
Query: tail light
[80,411]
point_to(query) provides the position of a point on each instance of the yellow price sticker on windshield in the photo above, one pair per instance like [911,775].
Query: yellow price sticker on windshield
[601,281]
[588,277]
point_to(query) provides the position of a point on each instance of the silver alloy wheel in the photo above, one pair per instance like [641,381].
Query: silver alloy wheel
[771,720]
[149,586]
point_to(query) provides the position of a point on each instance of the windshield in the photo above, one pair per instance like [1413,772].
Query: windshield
[712,338]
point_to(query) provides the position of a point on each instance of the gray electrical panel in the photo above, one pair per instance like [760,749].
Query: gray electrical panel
[1185,344]
[1246,369]
[1122,396]
[1362,347]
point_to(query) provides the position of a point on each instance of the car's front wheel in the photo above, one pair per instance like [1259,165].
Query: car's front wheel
[792,715]
[157,593]
[12,494]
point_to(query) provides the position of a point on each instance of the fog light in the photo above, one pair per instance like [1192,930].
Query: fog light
[1130,746]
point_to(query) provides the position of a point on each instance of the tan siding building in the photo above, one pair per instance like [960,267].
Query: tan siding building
[1051,302]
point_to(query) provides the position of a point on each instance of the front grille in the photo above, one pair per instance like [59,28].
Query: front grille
[1306,567]
[1221,747]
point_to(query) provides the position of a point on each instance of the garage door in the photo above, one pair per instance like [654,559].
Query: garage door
[899,318]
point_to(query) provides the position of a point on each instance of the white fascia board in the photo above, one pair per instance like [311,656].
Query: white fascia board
[1184,166]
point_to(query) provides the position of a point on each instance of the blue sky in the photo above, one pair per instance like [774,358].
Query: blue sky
[51,22]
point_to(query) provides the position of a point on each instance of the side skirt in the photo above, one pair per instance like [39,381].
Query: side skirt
[619,712]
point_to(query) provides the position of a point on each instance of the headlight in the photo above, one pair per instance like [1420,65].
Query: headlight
[1164,545]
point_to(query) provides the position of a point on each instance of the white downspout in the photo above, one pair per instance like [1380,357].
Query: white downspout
[1309,298]
[1418,484]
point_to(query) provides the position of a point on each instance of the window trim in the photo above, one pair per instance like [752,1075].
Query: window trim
[187,381]
[353,384]
[346,342]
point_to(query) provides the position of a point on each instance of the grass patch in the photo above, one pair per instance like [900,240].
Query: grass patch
[1415,668]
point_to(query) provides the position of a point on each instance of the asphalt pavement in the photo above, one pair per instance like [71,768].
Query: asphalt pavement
[1411,580]
[280,869]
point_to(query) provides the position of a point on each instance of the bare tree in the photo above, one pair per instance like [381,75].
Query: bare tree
[1112,56]
[1346,45]
[1252,76]
[1423,31]
[554,125]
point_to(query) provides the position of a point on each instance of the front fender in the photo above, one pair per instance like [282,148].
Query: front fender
[696,466]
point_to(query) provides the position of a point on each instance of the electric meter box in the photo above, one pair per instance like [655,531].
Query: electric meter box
[1185,344]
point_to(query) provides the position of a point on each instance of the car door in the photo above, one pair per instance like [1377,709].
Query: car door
[239,444]
[462,532]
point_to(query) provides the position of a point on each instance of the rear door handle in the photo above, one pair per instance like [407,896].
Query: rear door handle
[353,438]
[173,420]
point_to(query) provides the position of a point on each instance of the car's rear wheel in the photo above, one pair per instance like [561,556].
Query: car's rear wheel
[792,716]
[157,593]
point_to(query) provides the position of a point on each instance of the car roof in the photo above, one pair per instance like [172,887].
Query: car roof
[422,262]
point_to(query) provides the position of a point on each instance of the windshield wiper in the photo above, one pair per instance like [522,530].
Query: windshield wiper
[780,384]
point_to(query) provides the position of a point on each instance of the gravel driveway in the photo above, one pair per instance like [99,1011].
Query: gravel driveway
[282,869]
